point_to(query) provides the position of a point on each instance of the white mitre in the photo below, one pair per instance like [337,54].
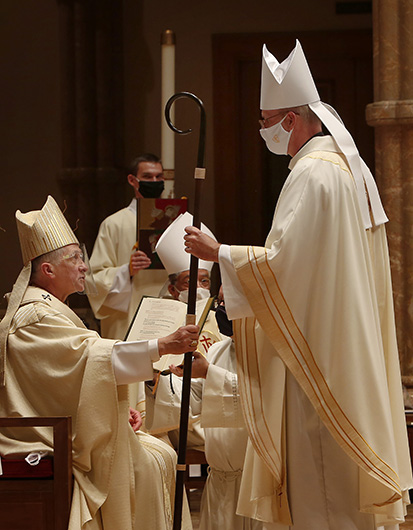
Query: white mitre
[171,248]
[40,231]
[290,84]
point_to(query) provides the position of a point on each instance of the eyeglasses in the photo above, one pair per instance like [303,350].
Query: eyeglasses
[263,121]
[76,257]
[204,282]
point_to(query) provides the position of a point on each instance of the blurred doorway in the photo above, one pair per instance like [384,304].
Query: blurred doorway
[248,178]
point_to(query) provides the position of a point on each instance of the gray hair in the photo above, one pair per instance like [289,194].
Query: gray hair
[50,257]
[306,114]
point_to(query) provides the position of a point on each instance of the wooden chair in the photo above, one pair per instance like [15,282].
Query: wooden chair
[29,501]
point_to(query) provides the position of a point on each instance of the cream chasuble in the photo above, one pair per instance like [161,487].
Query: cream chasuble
[321,294]
[55,366]
[163,403]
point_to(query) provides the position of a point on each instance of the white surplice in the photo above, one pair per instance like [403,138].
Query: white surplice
[217,400]
[118,295]
[163,402]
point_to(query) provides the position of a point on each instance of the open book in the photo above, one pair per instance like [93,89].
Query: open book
[158,317]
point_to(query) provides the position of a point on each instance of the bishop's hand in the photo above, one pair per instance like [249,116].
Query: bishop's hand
[184,339]
[199,367]
[201,245]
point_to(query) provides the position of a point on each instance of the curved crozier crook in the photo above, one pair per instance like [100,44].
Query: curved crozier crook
[202,129]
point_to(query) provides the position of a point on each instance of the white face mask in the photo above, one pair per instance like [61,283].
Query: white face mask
[201,293]
[277,138]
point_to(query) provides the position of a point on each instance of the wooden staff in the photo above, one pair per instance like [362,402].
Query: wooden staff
[190,316]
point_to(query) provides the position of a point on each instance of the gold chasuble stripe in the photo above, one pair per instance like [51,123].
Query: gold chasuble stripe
[248,370]
[266,497]
[277,321]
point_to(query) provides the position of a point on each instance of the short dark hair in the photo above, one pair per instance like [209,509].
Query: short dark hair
[145,157]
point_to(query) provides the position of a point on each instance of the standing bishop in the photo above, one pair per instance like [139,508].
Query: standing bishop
[314,326]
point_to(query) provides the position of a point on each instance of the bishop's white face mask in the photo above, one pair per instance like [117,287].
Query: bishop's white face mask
[277,138]
[201,294]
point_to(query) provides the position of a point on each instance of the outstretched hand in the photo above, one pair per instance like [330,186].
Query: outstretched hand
[201,245]
[184,339]
[199,367]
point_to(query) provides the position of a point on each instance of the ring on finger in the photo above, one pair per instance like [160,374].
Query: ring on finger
[193,343]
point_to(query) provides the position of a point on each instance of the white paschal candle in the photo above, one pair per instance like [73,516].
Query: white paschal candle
[167,90]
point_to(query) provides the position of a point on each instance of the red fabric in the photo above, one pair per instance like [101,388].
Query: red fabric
[19,468]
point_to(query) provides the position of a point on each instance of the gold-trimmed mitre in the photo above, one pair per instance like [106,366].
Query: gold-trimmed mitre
[42,231]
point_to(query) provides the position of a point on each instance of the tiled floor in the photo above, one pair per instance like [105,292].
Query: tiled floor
[195,500]
[408,525]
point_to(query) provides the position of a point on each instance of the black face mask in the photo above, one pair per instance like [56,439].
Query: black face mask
[225,325]
[150,189]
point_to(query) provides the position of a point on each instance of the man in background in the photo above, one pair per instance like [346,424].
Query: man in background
[119,268]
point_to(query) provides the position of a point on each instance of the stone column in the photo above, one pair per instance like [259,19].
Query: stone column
[392,116]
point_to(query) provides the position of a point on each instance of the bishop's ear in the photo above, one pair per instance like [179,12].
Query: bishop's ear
[289,121]
[47,269]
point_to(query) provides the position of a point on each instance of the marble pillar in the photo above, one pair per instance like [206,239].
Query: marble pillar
[391,114]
